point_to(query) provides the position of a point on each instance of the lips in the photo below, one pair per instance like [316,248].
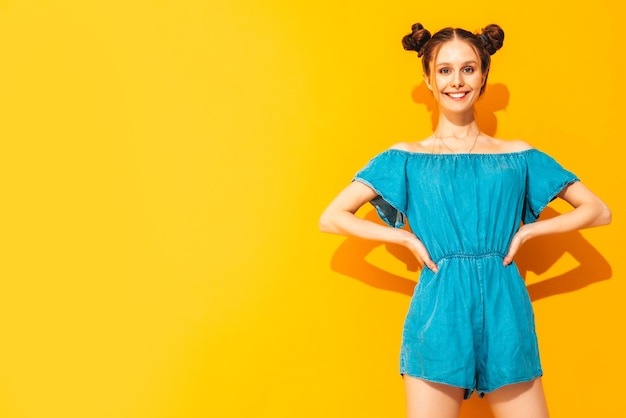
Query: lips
[457,96]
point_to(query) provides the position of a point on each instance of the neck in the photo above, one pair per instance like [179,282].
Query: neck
[457,125]
[449,130]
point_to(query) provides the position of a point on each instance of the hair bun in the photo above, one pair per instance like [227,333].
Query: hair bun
[492,37]
[416,40]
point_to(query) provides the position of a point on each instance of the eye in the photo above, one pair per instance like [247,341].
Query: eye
[468,70]
[444,71]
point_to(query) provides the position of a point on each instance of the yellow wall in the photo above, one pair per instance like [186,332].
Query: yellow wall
[163,167]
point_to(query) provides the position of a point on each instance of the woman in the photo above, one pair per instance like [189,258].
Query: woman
[472,201]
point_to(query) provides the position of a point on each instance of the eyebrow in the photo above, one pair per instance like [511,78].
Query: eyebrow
[441,64]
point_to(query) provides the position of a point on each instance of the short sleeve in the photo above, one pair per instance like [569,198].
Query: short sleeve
[386,175]
[545,178]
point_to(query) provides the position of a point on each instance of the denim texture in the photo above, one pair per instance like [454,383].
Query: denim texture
[471,325]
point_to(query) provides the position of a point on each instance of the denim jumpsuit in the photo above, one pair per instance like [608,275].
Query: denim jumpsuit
[470,325]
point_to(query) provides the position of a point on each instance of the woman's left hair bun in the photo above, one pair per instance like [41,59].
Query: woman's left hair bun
[416,40]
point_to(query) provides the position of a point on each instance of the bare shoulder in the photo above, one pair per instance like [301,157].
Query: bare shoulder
[417,146]
[508,145]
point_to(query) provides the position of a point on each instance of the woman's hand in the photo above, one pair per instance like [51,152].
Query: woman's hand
[417,248]
[589,211]
[521,236]
[339,218]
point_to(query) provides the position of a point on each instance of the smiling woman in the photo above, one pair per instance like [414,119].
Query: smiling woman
[470,326]
[456,66]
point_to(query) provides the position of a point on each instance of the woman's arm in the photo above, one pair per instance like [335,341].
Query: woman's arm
[589,211]
[339,218]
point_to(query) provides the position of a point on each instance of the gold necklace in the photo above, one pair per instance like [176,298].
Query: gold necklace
[451,150]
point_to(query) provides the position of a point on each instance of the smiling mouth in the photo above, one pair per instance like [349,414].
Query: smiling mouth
[456,96]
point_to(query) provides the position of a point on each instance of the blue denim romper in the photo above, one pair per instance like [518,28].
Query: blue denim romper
[471,325]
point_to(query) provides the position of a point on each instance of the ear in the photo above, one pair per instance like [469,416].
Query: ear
[427,82]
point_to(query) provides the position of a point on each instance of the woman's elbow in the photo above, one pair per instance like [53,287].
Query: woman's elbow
[605,216]
[325,223]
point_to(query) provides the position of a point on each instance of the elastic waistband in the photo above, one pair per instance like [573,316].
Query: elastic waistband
[490,254]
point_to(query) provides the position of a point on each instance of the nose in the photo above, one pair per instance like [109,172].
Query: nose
[457,80]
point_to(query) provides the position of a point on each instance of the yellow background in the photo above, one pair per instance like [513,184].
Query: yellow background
[163,166]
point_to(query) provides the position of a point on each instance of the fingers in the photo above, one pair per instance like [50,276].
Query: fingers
[421,253]
[423,256]
[430,264]
[508,259]
[515,244]
[426,261]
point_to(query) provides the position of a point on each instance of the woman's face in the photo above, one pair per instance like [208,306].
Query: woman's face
[455,76]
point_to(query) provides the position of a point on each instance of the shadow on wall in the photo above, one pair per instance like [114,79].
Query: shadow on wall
[537,256]
[495,98]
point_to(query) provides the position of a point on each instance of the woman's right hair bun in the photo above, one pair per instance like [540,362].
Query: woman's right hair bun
[416,40]
[492,37]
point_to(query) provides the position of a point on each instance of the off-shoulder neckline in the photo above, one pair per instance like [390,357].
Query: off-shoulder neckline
[462,154]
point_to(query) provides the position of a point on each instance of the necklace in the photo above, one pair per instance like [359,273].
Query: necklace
[450,149]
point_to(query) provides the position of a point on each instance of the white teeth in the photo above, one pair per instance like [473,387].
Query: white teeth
[456,95]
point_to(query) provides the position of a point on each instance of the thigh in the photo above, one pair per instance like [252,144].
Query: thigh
[519,400]
[432,400]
